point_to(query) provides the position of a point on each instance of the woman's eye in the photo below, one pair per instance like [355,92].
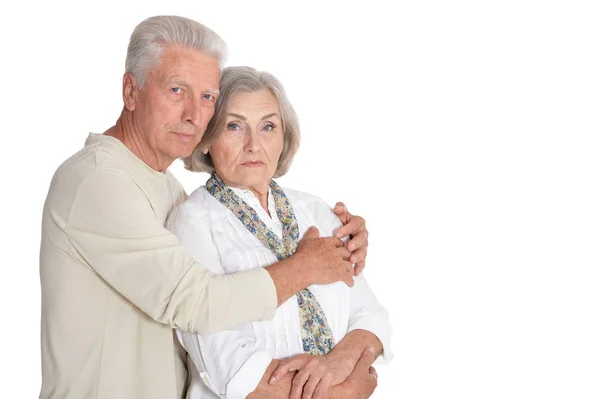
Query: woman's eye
[268,128]
[233,126]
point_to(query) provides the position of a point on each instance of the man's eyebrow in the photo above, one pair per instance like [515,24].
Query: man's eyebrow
[181,82]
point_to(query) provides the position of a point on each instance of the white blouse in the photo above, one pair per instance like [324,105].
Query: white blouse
[231,363]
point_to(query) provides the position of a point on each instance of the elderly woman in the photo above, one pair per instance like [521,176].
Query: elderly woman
[242,219]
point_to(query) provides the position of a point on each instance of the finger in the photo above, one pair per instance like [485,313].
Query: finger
[373,372]
[358,255]
[359,240]
[310,386]
[366,359]
[344,253]
[354,225]
[299,381]
[333,241]
[311,233]
[342,212]
[323,387]
[349,269]
[348,278]
[286,366]
[358,268]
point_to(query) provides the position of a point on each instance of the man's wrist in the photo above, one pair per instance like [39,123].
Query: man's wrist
[305,273]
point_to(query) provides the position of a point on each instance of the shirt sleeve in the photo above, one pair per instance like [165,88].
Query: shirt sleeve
[115,232]
[366,313]
[229,362]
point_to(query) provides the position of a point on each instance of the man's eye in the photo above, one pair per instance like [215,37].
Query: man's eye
[176,90]
[209,97]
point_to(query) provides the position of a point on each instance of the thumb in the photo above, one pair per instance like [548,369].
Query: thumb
[373,372]
[366,359]
[311,234]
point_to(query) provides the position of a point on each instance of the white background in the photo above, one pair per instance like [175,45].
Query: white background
[465,132]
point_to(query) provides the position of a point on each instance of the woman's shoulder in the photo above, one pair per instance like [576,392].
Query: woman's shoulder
[303,198]
[312,209]
[199,204]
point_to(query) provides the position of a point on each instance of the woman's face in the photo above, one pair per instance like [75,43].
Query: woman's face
[246,152]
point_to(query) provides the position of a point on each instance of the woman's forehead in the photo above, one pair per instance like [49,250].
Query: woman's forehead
[259,102]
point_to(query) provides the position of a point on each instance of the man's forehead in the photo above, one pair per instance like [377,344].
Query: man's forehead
[188,66]
[178,54]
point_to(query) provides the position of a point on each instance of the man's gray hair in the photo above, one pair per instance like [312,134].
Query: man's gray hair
[153,34]
[247,80]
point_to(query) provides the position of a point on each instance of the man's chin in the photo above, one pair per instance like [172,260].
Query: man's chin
[184,151]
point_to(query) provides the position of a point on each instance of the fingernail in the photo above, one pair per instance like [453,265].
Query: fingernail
[371,350]
[272,380]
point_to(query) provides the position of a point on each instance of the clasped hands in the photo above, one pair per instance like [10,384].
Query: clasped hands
[315,375]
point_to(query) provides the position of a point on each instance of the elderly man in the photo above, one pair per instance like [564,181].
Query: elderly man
[114,280]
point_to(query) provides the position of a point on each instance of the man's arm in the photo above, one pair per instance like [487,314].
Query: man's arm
[312,261]
[114,231]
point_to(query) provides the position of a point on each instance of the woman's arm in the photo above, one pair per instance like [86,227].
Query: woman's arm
[315,375]
[360,384]
[368,327]
[229,362]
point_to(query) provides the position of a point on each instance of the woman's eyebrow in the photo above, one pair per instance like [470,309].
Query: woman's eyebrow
[268,116]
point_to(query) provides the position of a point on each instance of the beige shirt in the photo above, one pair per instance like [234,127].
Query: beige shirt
[115,281]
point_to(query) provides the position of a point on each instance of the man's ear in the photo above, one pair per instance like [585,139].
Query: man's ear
[130,91]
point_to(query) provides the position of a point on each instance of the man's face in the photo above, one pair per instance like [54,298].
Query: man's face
[173,108]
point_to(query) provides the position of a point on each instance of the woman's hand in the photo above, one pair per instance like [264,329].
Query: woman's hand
[315,374]
[355,227]
[362,382]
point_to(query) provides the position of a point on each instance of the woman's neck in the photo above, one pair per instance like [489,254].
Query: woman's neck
[262,193]
[263,198]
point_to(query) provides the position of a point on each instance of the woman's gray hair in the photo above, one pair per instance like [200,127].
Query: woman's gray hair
[247,80]
[153,34]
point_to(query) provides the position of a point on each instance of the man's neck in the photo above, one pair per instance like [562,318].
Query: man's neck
[127,132]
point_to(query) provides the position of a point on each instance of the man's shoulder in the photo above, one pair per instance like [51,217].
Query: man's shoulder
[82,165]
[93,157]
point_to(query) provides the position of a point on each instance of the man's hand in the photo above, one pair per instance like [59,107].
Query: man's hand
[316,374]
[353,226]
[324,259]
